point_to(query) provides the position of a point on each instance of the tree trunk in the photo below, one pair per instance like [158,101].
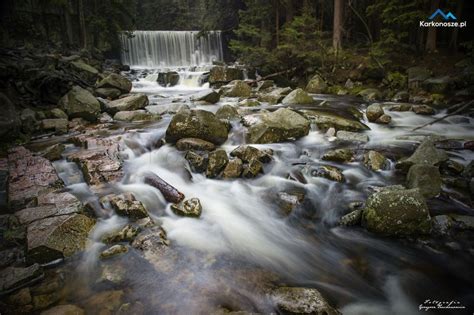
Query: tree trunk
[82,23]
[453,44]
[337,26]
[277,23]
[289,11]
[67,18]
[431,37]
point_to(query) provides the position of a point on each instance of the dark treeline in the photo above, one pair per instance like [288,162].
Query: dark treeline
[273,35]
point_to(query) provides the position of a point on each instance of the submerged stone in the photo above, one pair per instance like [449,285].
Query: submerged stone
[293,300]
[114,251]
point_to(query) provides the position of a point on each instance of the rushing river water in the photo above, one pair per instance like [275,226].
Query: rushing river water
[242,244]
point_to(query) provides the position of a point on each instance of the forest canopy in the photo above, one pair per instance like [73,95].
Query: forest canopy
[270,34]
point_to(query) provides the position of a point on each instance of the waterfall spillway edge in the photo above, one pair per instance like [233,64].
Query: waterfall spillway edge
[158,49]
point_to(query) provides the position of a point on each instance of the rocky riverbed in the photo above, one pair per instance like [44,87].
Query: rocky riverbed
[243,198]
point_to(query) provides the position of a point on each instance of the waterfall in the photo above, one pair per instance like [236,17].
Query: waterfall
[171,49]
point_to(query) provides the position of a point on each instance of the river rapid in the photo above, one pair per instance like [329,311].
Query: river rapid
[242,244]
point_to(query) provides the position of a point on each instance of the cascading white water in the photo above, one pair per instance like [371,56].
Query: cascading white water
[171,49]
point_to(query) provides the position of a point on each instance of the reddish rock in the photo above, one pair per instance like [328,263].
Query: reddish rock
[50,205]
[99,165]
[29,175]
[469,145]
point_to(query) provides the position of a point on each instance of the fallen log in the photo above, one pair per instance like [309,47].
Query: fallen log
[170,193]
[271,76]
[459,108]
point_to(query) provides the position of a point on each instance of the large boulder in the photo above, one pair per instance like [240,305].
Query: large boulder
[374,112]
[211,97]
[275,96]
[197,123]
[168,78]
[108,93]
[426,178]
[298,96]
[128,103]
[426,154]
[117,81]
[9,120]
[29,176]
[281,125]
[294,300]
[136,115]
[395,211]
[57,237]
[228,112]
[238,88]
[222,74]
[88,72]
[316,85]
[79,102]
[325,120]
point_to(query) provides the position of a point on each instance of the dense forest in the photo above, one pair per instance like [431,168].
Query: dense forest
[273,32]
